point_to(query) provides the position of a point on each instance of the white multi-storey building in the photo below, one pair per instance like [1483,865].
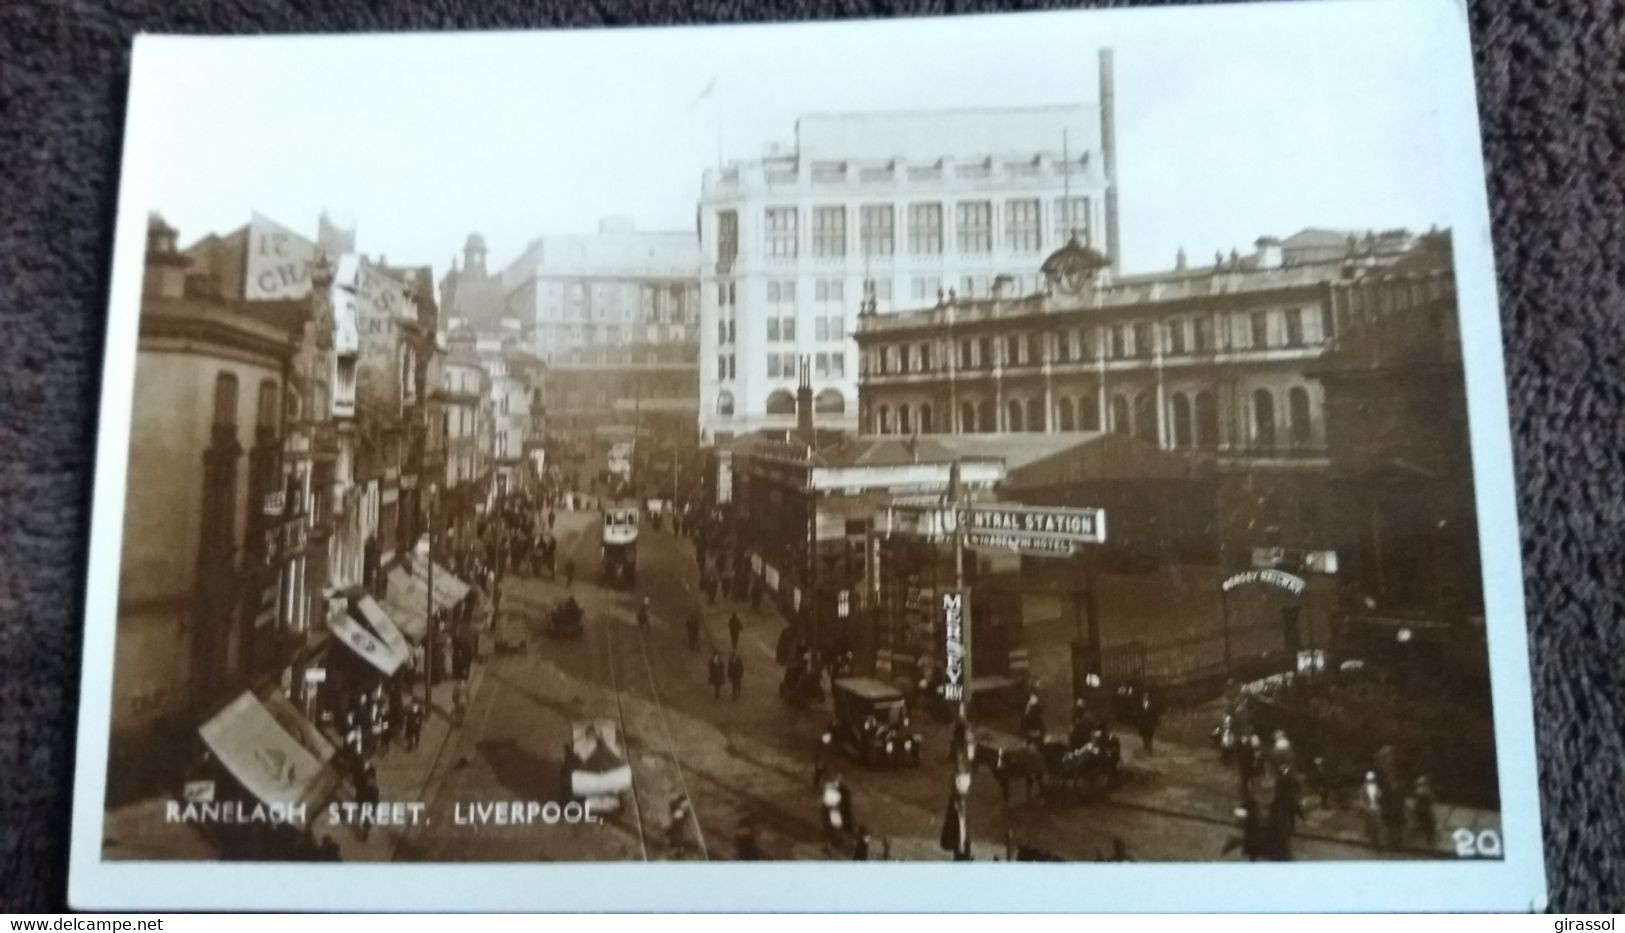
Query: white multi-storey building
[889,210]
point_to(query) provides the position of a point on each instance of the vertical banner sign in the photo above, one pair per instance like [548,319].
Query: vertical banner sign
[953,643]
[379,301]
[278,263]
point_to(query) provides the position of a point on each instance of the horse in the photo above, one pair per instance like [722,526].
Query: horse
[1025,763]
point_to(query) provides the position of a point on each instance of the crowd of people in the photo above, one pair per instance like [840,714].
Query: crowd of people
[1272,784]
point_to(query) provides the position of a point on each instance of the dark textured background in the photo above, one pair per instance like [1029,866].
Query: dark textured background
[1551,84]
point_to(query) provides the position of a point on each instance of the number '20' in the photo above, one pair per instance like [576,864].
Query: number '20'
[1485,843]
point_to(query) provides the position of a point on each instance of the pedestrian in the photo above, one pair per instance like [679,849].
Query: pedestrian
[643,615]
[1281,754]
[694,624]
[955,821]
[860,852]
[736,673]
[354,745]
[1286,807]
[382,724]
[1148,715]
[821,752]
[414,724]
[716,674]
[569,573]
[1251,840]
[459,702]
[835,811]
[677,823]
[1032,718]
[1427,825]
[734,628]
[366,792]
[1247,757]
[1371,808]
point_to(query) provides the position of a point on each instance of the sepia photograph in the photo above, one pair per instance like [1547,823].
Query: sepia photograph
[1029,438]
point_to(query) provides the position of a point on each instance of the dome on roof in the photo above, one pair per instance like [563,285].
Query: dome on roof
[475,241]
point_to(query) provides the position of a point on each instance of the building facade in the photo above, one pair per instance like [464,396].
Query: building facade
[614,319]
[463,391]
[1401,462]
[881,211]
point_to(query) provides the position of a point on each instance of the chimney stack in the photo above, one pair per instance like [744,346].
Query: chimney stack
[804,402]
[1269,252]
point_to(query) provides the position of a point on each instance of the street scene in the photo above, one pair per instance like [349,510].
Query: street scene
[893,486]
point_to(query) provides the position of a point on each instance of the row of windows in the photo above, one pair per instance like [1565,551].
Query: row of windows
[783,329]
[1193,419]
[781,402]
[825,365]
[225,403]
[673,304]
[657,354]
[878,225]
[1181,337]
[612,333]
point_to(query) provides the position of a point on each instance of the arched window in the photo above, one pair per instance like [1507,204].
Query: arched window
[1012,414]
[986,420]
[830,402]
[1063,414]
[265,420]
[1035,414]
[967,417]
[1120,420]
[905,423]
[1089,411]
[1263,418]
[781,402]
[725,402]
[883,420]
[1297,409]
[1207,421]
[925,419]
[1145,417]
[1182,420]
[225,401]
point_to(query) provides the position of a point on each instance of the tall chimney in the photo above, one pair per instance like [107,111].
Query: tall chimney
[1108,146]
[804,402]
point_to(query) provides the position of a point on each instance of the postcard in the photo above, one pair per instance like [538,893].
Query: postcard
[1050,461]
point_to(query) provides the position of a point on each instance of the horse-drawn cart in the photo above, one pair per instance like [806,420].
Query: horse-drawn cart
[1093,765]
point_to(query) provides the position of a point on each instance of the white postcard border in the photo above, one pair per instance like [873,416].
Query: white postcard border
[1513,884]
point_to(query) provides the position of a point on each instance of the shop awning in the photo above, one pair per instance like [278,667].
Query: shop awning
[407,601]
[448,590]
[369,647]
[383,624]
[280,759]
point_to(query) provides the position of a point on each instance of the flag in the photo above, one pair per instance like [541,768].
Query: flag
[705,95]
[277,266]
[332,238]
